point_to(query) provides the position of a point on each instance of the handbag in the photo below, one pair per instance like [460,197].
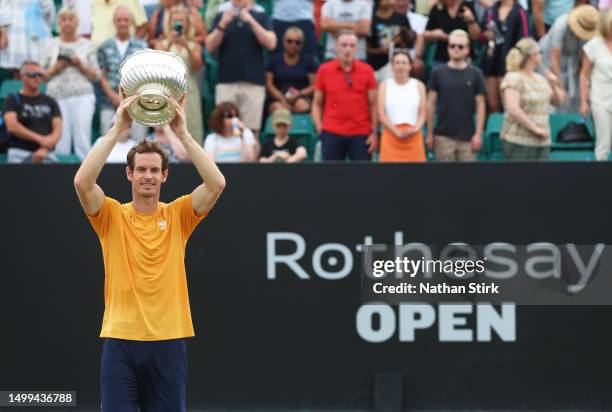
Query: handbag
[574,132]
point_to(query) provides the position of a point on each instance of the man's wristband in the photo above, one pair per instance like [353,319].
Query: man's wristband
[221,29]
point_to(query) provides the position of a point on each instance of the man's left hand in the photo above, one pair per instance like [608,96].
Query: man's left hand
[39,155]
[476,142]
[246,16]
[372,142]
[179,123]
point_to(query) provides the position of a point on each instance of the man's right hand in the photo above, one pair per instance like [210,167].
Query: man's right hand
[430,141]
[123,119]
[46,142]
[227,18]
[39,155]
[115,99]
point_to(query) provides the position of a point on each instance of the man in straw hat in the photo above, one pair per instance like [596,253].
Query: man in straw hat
[562,45]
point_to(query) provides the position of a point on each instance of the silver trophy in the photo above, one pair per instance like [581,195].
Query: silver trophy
[154,76]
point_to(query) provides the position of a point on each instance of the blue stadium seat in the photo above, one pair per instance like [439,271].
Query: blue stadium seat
[491,138]
[572,155]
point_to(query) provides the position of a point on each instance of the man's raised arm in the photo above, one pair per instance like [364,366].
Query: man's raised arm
[204,196]
[90,194]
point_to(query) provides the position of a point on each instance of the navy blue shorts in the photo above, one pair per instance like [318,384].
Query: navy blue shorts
[150,375]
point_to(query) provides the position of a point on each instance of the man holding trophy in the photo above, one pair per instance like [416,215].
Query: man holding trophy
[147,315]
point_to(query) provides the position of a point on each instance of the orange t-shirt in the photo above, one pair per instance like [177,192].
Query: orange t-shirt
[145,287]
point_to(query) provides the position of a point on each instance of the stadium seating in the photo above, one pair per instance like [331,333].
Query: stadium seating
[491,139]
[558,120]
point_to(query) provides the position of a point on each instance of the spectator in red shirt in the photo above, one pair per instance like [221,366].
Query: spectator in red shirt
[344,107]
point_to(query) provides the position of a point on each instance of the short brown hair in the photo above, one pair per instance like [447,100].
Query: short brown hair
[216,122]
[147,146]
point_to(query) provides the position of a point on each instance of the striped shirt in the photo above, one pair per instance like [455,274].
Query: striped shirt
[535,94]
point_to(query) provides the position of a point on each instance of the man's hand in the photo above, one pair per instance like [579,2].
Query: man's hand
[179,123]
[40,155]
[246,16]
[226,19]
[47,142]
[372,142]
[476,142]
[123,120]
[430,141]
[115,99]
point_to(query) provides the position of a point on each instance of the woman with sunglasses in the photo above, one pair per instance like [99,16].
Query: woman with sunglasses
[401,108]
[527,98]
[290,76]
[230,141]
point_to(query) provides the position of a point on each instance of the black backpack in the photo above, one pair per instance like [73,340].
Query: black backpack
[574,132]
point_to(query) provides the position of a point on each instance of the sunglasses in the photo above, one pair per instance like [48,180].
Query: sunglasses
[293,41]
[230,115]
[33,75]
[456,46]
[347,77]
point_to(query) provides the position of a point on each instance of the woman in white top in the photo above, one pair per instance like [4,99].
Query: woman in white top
[71,65]
[401,108]
[597,70]
[231,140]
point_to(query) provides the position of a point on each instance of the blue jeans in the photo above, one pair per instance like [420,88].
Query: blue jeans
[151,375]
[337,147]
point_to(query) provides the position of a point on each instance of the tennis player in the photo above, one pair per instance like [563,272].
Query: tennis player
[146,315]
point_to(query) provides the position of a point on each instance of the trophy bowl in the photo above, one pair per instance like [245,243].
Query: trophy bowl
[154,76]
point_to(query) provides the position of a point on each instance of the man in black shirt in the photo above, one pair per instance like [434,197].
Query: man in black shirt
[282,148]
[459,90]
[32,119]
[239,36]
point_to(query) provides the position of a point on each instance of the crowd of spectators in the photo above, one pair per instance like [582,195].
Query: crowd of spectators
[373,74]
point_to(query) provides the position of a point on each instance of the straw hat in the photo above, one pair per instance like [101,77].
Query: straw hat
[583,21]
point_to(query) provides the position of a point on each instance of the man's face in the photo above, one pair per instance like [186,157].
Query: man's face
[122,21]
[346,47]
[31,75]
[147,176]
[458,48]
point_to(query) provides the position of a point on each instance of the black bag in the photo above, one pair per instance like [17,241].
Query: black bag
[574,132]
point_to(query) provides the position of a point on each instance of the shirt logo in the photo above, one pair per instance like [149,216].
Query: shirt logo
[163,225]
